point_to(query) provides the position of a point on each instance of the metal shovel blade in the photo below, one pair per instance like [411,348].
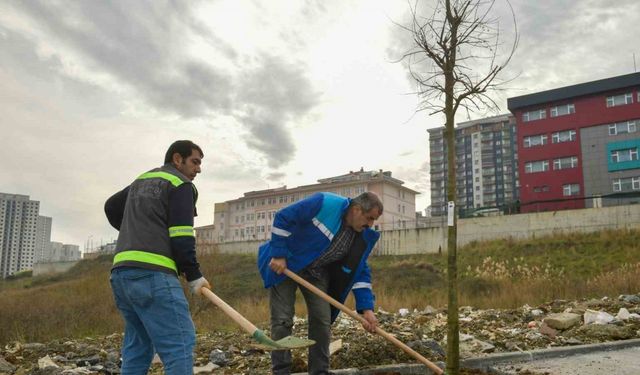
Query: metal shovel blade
[289,342]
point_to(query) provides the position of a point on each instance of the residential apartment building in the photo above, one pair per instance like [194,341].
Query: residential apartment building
[579,144]
[486,166]
[63,252]
[18,227]
[250,217]
[43,238]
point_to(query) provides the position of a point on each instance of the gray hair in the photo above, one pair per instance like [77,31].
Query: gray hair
[368,201]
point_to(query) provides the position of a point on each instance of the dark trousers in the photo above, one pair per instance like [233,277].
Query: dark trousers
[282,304]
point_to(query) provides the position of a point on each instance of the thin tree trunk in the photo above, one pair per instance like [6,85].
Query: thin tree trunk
[453,336]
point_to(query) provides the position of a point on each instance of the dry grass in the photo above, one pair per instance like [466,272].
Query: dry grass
[496,274]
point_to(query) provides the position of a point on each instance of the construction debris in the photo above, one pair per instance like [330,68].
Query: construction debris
[557,323]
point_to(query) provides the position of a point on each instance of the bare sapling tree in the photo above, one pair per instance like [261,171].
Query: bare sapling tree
[456,57]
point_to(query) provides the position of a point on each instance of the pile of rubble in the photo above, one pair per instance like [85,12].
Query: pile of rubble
[558,323]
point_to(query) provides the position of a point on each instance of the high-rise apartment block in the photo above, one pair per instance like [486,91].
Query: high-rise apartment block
[43,239]
[579,144]
[18,227]
[486,165]
[250,217]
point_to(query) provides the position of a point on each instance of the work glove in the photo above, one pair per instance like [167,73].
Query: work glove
[197,284]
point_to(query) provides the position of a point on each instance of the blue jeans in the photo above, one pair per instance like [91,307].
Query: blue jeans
[157,319]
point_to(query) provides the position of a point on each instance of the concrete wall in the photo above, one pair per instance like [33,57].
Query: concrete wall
[411,241]
[546,223]
[531,225]
[52,267]
[241,247]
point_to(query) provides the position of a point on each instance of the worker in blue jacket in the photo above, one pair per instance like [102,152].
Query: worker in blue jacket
[327,239]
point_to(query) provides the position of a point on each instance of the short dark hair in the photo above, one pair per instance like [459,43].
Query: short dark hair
[368,201]
[182,147]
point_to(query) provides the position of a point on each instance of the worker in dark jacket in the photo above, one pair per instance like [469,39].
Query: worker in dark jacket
[155,245]
[327,239]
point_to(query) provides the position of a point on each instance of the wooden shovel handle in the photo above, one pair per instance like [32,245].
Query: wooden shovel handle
[233,314]
[437,370]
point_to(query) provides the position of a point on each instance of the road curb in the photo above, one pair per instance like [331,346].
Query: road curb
[486,362]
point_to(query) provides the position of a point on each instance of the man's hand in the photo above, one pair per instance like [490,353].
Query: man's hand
[197,284]
[278,265]
[371,322]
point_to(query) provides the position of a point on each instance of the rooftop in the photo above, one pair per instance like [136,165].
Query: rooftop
[582,89]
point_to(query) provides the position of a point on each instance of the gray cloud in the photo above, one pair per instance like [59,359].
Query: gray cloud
[141,44]
[276,177]
[563,42]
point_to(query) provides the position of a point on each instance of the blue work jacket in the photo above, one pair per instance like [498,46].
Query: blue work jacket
[302,231]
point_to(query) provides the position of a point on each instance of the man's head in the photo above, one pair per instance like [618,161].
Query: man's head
[186,156]
[363,211]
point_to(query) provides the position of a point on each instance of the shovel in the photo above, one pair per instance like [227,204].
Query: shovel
[265,342]
[436,370]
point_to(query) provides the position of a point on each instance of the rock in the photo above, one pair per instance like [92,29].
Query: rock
[434,346]
[113,356]
[597,317]
[630,298]
[473,346]
[623,314]
[513,346]
[156,359]
[536,313]
[78,371]
[606,332]
[218,357]
[429,310]
[426,345]
[88,361]
[45,362]
[6,367]
[547,331]
[47,371]
[562,321]
[205,369]
[573,341]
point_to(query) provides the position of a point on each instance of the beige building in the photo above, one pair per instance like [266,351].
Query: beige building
[205,238]
[250,217]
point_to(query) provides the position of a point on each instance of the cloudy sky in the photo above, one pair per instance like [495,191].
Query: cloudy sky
[276,92]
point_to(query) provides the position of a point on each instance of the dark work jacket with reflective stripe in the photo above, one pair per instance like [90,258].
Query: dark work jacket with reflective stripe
[146,220]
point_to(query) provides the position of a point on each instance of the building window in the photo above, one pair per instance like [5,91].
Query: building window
[565,163]
[536,166]
[535,140]
[622,99]
[622,127]
[565,136]
[562,110]
[570,190]
[626,184]
[629,154]
[534,115]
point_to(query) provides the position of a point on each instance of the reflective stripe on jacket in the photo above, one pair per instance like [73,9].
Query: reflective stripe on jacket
[302,231]
[145,236]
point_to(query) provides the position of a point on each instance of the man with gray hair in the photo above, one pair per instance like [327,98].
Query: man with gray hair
[327,239]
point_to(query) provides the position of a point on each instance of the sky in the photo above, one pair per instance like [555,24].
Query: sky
[275,92]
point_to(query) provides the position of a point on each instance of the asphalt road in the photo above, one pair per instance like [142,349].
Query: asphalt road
[619,362]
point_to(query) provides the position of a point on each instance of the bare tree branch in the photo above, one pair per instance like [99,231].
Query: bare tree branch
[455,62]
